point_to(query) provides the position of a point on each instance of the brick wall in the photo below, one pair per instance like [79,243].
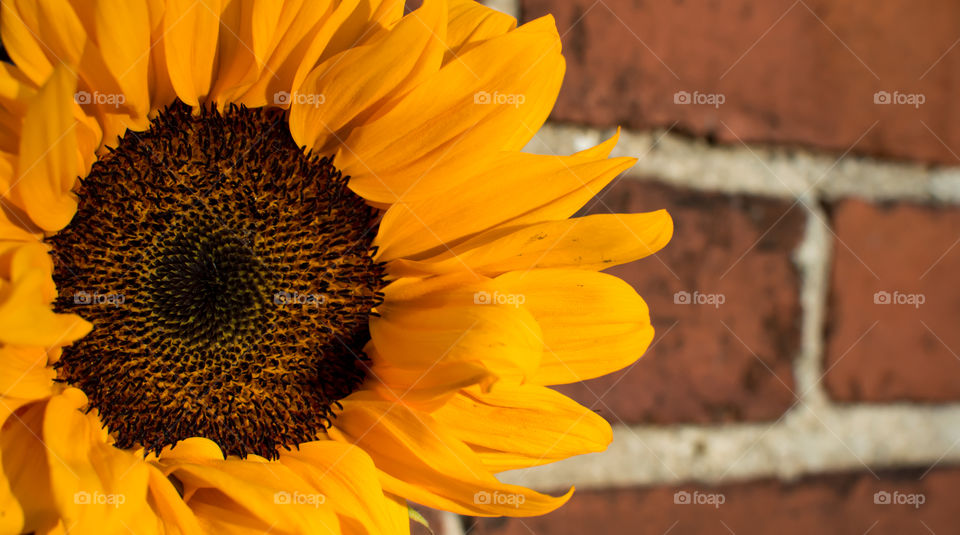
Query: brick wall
[807,151]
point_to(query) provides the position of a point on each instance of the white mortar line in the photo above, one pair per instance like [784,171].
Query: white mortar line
[450,524]
[783,172]
[833,439]
[812,258]
[510,7]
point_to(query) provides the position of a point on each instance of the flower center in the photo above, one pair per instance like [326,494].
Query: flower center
[229,277]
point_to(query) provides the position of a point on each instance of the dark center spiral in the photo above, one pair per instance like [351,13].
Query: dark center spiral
[229,277]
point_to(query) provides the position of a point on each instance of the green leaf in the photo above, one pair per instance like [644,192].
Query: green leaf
[418,518]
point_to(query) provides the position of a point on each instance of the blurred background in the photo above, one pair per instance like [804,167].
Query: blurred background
[805,375]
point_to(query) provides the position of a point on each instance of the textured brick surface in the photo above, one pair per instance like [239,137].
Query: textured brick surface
[834,504]
[889,350]
[708,363]
[791,72]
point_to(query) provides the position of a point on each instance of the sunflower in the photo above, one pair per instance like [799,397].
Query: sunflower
[281,266]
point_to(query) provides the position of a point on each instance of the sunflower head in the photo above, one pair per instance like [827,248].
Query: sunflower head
[283,266]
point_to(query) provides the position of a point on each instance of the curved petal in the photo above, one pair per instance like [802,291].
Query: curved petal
[592,323]
[302,32]
[175,515]
[123,33]
[41,34]
[346,474]
[367,20]
[191,30]
[356,80]
[525,425]
[49,161]
[95,486]
[472,23]
[425,389]
[518,188]
[24,373]
[233,493]
[492,97]
[427,464]
[25,491]
[26,290]
[593,242]
[455,325]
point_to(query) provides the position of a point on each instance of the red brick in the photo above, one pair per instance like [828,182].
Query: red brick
[832,504]
[707,363]
[910,353]
[794,79]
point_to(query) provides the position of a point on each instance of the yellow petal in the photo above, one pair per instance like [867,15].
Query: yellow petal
[26,495]
[518,188]
[472,23]
[235,492]
[24,373]
[427,464]
[95,486]
[353,82]
[346,475]
[593,242]
[424,388]
[169,505]
[123,34]
[365,21]
[26,290]
[49,164]
[39,34]
[303,30]
[493,97]
[191,29]
[456,325]
[521,426]
[194,448]
[592,323]
[238,65]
